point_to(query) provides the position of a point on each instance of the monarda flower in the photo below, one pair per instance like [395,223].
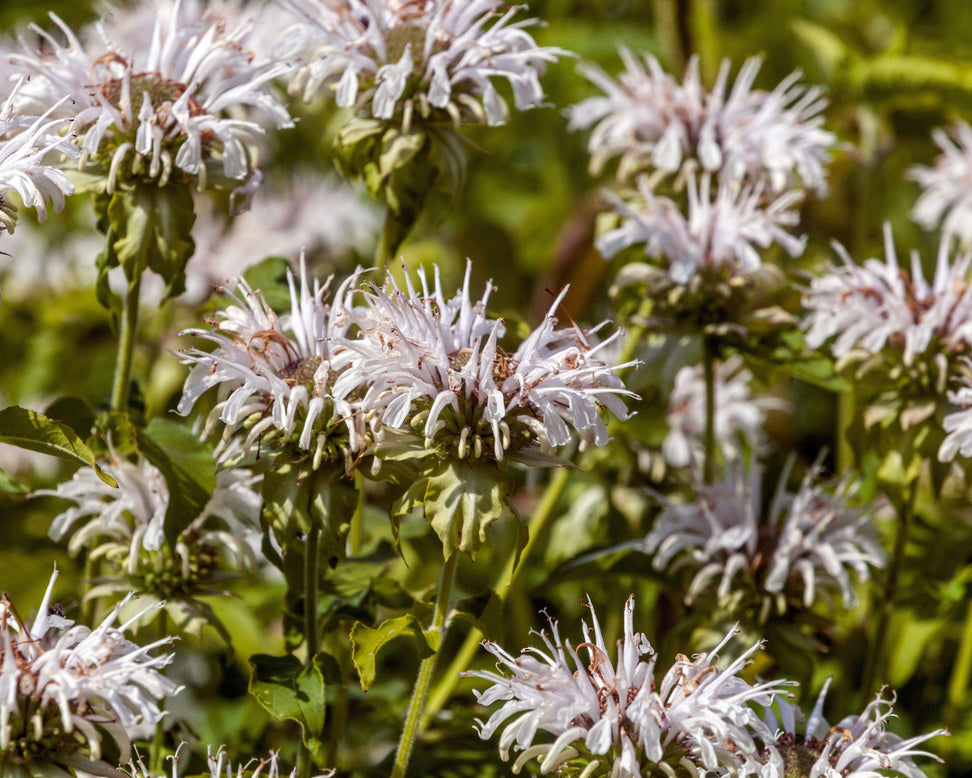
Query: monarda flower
[810,539]
[431,60]
[771,140]
[947,198]
[855,747]
[63,686]
[604,718]
[281,380]
[720,236]
[26,149]
[438,367]
[179,106]
[738,416]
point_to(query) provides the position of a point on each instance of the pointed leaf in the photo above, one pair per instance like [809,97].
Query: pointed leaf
[287,689]
[31,430]
[367,642]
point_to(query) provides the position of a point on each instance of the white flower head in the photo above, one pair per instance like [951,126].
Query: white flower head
[124,525]
[179,105]
[437,362]
[613,712]
[856,747]
[774,140]
[281,377]
[723,231]
[221,766]
[738,417]
[947,196]
[26,149]
[811,539]
[434,59]
[878,306]
[76,683]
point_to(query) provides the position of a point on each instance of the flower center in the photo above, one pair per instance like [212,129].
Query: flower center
[397,38]
[161,92]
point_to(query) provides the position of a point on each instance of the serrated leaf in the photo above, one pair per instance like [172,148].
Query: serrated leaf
[188,467]
[286,689]
[151,227]
[367,642]
[461,501]
[28,429]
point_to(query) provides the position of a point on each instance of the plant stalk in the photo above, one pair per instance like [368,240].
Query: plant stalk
[311,554]
[958,684]
[708,362]
[127,326]
[541,517]
[875,655]
[421,690]
[357,518]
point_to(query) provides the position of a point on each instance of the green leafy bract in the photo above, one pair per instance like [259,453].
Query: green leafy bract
[367,642]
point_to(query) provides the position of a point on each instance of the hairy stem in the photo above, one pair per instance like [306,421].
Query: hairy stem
[708,362]
[357,518]
[127,326]
[876,657]
[311,554]
[421,690]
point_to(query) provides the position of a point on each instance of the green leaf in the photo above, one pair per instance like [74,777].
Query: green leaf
[188,467]
[151,228]
[287,689]
[911,637]
[367,642]
[270,277]
[461,501]
[31,430]
[10,485]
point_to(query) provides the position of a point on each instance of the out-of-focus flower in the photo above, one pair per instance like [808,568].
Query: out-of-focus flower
[738,417]
[437,363]
[811,538]
[220,766]
[721,234]
[958,424]
[433,60]
[281,377]
[772,140]
[24,147]
[63,685]
[181,105]
[947,199]
[124,525]
[856,747]
[321,216]
[869,308]
[610,718]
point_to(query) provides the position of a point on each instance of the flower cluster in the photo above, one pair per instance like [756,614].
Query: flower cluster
[124,526]
[438,362]
[280,374]
[719,236]
[612,717]
[811,538]
[877,307]
[62,685]
[772,139]
[855,747]
[738,417]
[418,359]
[24,147]
[947,198]
[220,766]
[177,104]
[431,59]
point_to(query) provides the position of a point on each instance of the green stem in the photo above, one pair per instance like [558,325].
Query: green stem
[958,684]
[845,417]
[708,361]
[127,326]
[357,518]
[156,753]
[311,554]
[541,516]
[421,690]
[876,654]
[392,235]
